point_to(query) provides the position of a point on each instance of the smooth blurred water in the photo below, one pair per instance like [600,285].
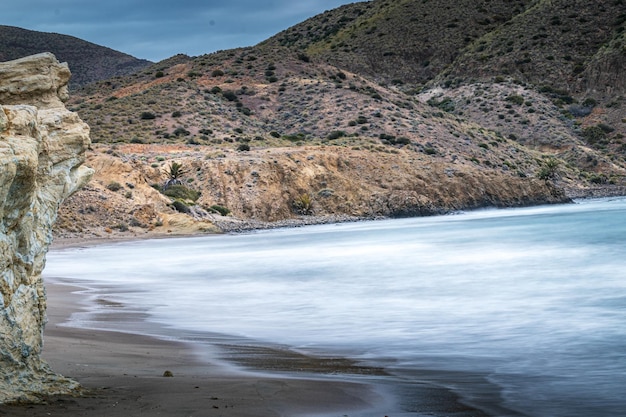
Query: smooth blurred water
[533,298]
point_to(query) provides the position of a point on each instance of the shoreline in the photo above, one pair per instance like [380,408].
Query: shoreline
[231,225]
[122,374]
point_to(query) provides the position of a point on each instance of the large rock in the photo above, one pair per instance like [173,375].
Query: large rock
[42,147]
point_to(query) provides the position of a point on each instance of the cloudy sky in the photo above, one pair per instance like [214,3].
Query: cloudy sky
[158,29]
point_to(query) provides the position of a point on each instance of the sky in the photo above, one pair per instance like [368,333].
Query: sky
[159,29]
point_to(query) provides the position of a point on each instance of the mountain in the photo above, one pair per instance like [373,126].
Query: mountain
[551,42]
[88,62]
[398,41]
[377,108]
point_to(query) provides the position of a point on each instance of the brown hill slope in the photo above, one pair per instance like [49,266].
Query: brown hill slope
[89,62]
[402,41]
[571,52]
[264,131]
[553,43]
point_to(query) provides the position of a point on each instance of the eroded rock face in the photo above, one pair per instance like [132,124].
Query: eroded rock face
[42,146]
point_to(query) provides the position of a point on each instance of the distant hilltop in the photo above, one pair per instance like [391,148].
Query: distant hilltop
[89,62]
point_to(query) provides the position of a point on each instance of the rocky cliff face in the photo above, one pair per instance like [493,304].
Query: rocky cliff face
[42,146]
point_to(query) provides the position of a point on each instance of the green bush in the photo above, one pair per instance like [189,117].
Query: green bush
[446,104]
[219,209]
[230,95]
[303,204]
[146,115]
[181,207]
[296,137]
[515,99]
[180,192]
[181,131]
[336,134]
[549,169]
[593,134]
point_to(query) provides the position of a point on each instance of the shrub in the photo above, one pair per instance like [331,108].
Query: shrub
[176,114]
[114,186]
[304,57]
[122,227]
[336,134]
[274,134]
[549,169]
[403,140]
[158,74]
[181,131]
[244,147]
[295,137]
[446,104]
[181,207]
[146,115]
[217,73]
[180,192]
[593,134]
[580,111]
[230,95]
[303,204]
[219,209]
[515,99]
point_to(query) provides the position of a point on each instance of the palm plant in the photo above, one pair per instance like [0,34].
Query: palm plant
[174,172]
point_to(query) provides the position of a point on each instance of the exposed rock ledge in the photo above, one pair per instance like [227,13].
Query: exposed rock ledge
[42,147]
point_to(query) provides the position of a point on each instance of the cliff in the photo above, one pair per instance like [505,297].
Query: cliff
[42,146]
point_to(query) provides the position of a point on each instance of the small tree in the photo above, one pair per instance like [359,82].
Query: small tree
[174,172]
[549,169]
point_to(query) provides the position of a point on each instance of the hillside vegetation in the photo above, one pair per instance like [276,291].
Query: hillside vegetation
[372,109]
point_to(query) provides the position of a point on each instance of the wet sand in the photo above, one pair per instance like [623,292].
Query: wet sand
[122,375]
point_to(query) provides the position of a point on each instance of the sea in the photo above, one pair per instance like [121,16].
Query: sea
[518,312]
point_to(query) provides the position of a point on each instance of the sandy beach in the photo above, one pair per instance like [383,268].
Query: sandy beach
[122,374]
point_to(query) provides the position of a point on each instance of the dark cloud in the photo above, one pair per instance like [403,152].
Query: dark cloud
[158,29]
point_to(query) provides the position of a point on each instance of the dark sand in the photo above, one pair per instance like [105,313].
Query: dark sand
[122,375]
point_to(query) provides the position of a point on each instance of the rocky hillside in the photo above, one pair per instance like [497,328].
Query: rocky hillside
[373,109]
[89,62]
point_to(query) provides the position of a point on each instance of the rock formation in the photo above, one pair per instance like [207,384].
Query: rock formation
[42,146]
